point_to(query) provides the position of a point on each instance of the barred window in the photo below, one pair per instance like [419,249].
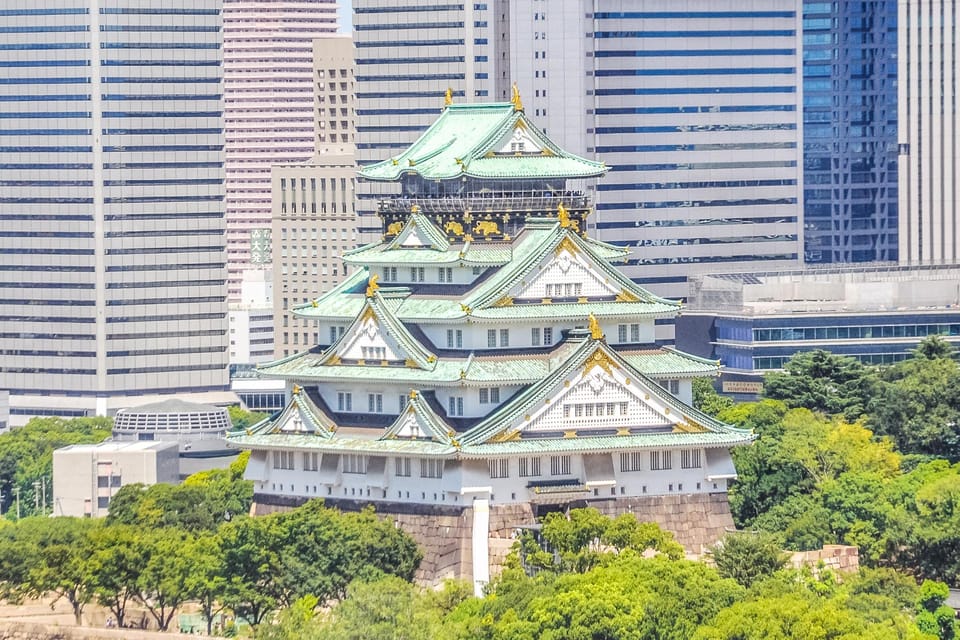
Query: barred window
[500,468]
[632,461]
[430,468]
[402,467]
[690,459]
[535,336]
[661,460]
[529,467]
[283,460]
[311,461]
[354,463]
[559,465]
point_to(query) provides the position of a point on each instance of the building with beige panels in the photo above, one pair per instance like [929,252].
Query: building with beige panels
[314,218]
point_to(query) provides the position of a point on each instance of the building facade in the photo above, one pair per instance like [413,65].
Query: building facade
[87,476]
[754,323]
[268,87]
[484,362]
[927,99]
[695,109]
[112,252]
[314,203]
[850,131]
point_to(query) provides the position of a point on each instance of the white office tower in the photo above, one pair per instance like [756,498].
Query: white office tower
[407,53]
[268,111]
[112,250]
[696,108]
[928,67]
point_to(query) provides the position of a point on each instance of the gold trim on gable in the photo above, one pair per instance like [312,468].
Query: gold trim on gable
[627,296]
[599,359]
[506,436]
[566,245]
[688,426]
[505,301]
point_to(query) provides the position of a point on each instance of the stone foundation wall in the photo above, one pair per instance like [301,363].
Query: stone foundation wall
[697,520]
[504,520]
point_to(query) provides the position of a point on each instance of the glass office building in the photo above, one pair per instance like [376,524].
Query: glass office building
[850,131]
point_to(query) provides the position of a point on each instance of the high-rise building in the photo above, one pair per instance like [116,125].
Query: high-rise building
[695,109]
[314,217]
[268,109]
[929,171]
[850,131]
[112,250]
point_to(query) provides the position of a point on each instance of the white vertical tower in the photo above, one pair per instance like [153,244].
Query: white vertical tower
[268,110]
[929,168]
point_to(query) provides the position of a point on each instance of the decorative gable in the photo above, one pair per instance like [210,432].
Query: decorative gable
[302,417]
[566,273]
[366,340]
[419,421]
[418,233]
[519,141]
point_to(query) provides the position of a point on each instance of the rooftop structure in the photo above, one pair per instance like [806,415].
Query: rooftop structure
[489,363]
[757,321]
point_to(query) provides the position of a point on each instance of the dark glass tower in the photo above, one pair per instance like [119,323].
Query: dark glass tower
[850,131]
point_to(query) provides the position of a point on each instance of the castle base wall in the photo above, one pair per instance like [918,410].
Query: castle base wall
[444,533]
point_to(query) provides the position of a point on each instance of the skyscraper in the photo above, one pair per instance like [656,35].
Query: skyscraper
[695,109]
[112,260]
[929,171]
[850,131]
[268,110]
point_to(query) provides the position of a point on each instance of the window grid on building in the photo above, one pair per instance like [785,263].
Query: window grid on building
[356,464]
[311,461]
[283,460]
[499,468]
[690,459]
[402,467]
[631,461]
[661,460]
[430,468]
[529,467]
[559,465]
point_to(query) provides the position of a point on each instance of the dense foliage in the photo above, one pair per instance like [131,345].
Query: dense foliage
[26,458]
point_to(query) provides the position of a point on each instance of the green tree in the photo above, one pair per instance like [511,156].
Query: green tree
[747,557]
[207,579]
[163,583]
[116,563]
[241,418]
[933,615]
[706,398]
[821,381]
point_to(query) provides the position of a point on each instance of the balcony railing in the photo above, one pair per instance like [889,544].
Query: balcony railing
[488,200]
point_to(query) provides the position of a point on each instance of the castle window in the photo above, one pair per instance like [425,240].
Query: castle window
[477,271]
[430,468]
[491,338]
[402,467]
[455,405]
[535,336]
[283,460]
[344,401]
[445,274]
[500,468]
[490,396]
[559,465]
[390,274]
[673,386]
[529,467]
[417,274]
[632,461]
[356,464]
[504,337]
[375,402]
[661,460]
[690,459]
[311,461]
[454,339]
[547,336]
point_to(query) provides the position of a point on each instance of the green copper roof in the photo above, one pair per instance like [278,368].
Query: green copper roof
[495,424]
[300,417]
[466,140]
[421,226]
[468,253]
[418,421]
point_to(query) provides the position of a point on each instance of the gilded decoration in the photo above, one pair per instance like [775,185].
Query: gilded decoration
[515,99]
[454,227]
[599,359]
[448,97]
[596,332]
[626,296]
[505,301]
[566,245]
[688,426]
[486,227]
[372,285]
[394,228]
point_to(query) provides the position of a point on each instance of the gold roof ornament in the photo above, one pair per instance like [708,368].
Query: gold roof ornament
[372,285]
[296,389]
[415,209]
[515,99]
[563,215]
[595,331]
[448,97]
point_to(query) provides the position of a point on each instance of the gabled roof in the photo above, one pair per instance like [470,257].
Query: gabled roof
[301,416]
[419,232]
[376,308]
[470,140]
[420,421]
[544,237]
[594,357]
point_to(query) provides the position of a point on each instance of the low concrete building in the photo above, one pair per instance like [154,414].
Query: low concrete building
[87,476]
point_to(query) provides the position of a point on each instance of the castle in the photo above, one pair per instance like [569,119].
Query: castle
[485,363]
